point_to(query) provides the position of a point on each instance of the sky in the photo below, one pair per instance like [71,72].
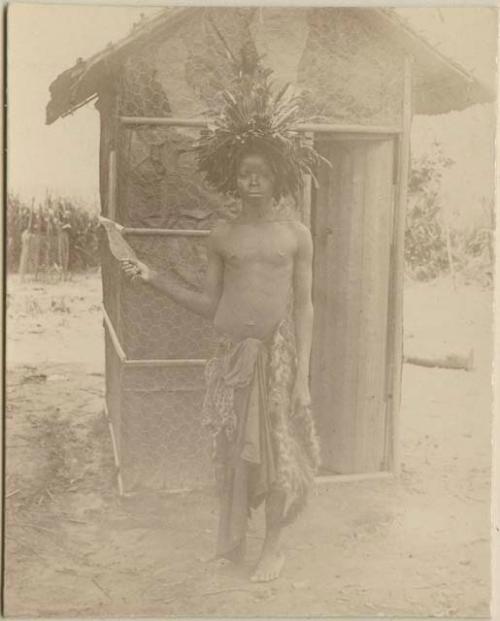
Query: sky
[62,158]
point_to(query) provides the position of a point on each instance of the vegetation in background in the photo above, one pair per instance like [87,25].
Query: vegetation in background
[433,246]
[46,223]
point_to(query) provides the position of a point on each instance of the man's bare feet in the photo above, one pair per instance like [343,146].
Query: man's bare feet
[269,566]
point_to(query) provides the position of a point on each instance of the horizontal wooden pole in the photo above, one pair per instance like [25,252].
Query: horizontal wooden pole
[302,127]
[165,121]
[333,128]
[350,478]
[338,478]
[354,136]
[128,230]
[166,232]
[166,491]
[173,362]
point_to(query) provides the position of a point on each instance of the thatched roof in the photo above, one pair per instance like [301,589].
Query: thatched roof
[441,85]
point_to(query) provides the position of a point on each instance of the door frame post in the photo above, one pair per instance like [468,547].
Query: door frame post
[396,288]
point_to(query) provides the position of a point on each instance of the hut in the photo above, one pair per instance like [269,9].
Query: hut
[364,74]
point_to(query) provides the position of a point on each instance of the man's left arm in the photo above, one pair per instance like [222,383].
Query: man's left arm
[303,314]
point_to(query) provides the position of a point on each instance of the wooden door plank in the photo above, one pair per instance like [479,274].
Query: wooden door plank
[352,224]
[334,232]
[352,204]
[341,257]
[370,431]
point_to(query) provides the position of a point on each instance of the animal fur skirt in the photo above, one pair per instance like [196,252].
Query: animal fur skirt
[260,445]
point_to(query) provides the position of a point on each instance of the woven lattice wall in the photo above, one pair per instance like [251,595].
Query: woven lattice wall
[163,445]
[153,325]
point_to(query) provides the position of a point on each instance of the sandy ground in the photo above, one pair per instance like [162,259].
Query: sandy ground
[417,545]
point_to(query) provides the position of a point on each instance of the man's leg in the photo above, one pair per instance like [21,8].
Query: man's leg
[272,558]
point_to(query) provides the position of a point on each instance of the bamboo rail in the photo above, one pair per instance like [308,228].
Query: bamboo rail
[165,232]
[322,128]
[127,230]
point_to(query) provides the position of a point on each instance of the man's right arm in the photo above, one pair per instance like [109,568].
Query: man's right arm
[200,302]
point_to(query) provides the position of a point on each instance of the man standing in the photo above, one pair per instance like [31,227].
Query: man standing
[258,294]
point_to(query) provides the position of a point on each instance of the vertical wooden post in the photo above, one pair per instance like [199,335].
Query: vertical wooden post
[306,205]
[306,194]
[395,319]
[111,206]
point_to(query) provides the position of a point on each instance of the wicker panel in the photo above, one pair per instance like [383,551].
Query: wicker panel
[163,445]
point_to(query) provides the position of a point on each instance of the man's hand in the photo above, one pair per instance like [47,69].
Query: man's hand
[136,269]
[301,397]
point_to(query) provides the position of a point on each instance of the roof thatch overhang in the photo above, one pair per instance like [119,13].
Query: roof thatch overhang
[441,85]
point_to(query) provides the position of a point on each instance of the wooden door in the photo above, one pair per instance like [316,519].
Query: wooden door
[352,216]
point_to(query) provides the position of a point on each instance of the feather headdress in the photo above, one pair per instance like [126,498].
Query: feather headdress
[253,119]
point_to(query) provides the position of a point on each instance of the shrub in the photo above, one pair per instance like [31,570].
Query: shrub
[425,242]
[426,251]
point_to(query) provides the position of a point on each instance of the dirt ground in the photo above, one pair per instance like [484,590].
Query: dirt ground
[417,545]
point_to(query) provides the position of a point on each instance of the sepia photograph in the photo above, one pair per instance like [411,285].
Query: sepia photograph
[249,293]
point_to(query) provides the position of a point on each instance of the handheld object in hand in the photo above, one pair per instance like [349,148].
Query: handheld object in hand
[120,249]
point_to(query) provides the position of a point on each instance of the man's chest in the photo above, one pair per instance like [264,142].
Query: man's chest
[245,246]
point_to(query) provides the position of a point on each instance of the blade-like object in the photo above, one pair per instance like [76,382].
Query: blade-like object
[120,249]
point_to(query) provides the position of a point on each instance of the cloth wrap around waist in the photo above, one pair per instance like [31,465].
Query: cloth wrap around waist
[258,445]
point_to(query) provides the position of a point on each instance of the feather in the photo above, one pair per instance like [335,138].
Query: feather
[255,116]
[229,53]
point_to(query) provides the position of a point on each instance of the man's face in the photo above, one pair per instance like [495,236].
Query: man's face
[255,179]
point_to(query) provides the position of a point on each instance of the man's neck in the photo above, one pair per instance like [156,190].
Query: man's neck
[251,212]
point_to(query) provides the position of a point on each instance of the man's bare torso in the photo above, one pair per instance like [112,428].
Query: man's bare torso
[258,265]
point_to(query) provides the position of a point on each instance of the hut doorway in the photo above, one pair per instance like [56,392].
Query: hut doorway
[351,224]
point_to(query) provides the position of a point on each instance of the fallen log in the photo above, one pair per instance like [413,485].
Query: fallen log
[452,361]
